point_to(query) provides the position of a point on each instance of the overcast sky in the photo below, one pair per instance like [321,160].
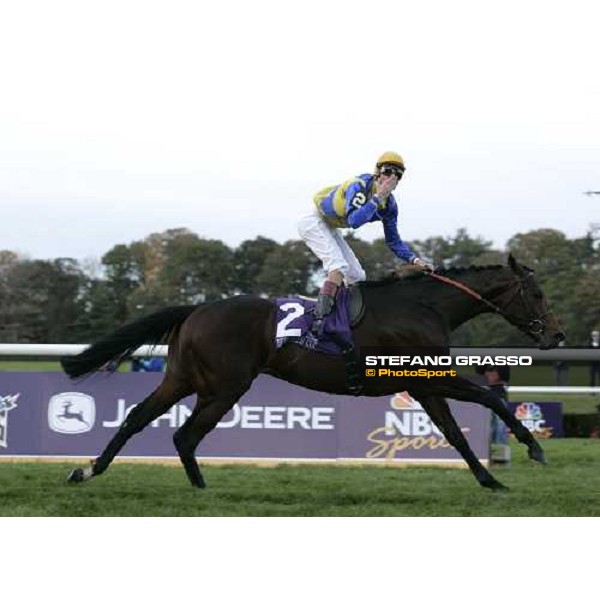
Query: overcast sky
[120,119]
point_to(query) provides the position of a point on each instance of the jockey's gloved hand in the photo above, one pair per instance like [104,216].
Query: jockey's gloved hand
[385,186]
[423,265]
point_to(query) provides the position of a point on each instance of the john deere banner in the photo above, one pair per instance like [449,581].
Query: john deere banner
[46,414]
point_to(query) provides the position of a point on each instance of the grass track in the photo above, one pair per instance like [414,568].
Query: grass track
[569,485]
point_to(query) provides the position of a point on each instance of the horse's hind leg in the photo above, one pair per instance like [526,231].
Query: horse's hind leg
[157,403]
[203,420]
[438,410]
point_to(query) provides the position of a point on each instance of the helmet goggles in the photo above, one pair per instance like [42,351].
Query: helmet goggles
[388,170]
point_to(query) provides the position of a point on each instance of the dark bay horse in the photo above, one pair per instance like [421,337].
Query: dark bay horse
[217,350]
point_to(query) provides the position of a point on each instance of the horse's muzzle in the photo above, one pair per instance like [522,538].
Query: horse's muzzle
[549,342]
[552,334]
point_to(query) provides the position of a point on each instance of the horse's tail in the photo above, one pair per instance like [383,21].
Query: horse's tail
[123,342]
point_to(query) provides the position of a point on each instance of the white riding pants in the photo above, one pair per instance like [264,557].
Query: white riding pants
[330,247]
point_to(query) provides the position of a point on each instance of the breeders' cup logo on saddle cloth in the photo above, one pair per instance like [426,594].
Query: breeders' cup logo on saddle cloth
[407,427]
[531,415]
[7,403]
[71,412]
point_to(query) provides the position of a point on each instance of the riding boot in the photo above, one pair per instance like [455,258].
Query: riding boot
[325,304]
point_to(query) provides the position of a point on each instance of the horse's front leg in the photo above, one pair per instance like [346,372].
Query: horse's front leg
[438,410]
[465,391]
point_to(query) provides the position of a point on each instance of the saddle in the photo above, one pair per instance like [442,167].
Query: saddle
[356,305]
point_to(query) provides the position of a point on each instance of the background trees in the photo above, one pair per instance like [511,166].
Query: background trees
[62,300]
[39,300]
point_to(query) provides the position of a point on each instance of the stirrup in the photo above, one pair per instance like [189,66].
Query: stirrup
[324,307]
[317,327]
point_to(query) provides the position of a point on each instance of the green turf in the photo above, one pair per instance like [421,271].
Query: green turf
[568,485]
[572,403]
[18,366]
[40,366]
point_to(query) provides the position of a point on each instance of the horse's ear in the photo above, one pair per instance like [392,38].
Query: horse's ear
[513,264]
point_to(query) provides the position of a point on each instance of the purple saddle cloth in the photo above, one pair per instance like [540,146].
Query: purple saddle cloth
[295,317]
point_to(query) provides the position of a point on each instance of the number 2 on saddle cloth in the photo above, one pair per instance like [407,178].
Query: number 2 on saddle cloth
[294,320]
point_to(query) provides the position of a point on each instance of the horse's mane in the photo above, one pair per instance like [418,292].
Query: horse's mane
[410,275]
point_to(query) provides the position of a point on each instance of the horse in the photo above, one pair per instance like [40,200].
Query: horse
[216,350]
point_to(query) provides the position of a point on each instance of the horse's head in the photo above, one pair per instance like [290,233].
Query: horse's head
[523,304]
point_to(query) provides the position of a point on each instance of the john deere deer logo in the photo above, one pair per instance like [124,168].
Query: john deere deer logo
[67,414]
[71,412]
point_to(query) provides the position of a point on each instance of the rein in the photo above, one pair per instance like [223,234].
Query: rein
[536,325]
[466,289]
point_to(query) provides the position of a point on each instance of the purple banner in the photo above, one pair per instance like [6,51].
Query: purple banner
[46,414]
[543,419]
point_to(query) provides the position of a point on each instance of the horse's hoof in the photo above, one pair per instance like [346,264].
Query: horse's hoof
[500,488]
[494,485]
[75,476]
[537,454]
[79,475]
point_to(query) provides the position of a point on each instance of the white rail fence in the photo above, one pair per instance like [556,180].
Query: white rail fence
[57,350]
[566,354]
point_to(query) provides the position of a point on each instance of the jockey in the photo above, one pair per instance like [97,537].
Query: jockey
[363,199]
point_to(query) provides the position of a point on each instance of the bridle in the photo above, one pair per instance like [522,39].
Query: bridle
[536,324]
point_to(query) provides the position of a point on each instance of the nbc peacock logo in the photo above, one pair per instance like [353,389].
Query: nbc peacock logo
[531,415]
[529,411]
[404,401]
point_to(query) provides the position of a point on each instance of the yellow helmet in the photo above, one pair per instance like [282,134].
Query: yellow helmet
[390,158]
